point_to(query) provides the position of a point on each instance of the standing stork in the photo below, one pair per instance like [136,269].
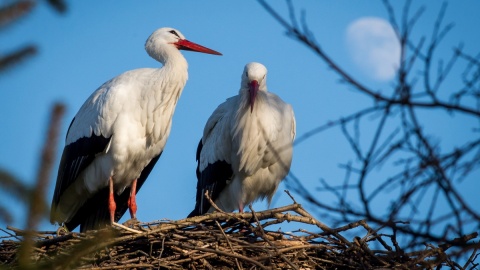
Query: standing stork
[246,148]
[118,135]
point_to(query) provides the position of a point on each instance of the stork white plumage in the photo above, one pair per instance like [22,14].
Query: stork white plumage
[118,135]
[246,148]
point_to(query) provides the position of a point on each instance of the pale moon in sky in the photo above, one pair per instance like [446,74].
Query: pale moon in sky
[374,47]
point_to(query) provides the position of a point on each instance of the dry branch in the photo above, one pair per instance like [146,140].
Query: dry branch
[229,241]
[395,149]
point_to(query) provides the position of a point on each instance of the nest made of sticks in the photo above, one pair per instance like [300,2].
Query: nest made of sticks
[222,241]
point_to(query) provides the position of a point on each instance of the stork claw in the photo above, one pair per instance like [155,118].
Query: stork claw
[62,230]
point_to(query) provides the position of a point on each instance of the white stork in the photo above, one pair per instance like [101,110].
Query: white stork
[117,136]
[246,148]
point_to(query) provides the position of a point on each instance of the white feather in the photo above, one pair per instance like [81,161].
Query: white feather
[135,109]
[257,144]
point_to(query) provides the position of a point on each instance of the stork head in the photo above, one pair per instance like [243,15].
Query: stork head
[163,41]
[254,79]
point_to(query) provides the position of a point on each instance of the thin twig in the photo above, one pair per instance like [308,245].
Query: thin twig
[115,224]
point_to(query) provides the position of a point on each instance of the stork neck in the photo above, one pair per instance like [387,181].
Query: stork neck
[176,67]
[167,83]
[174,57]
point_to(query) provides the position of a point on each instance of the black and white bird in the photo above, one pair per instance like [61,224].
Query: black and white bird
[246,148]
[118,135]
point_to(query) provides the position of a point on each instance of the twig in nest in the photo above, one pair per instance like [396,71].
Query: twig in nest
[265,237]
[9,234]
[213,240]
[212,203]
[115,224]
[229,243]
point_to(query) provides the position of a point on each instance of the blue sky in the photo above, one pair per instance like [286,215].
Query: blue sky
[97,40]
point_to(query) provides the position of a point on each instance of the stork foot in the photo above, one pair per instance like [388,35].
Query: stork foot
[62,230]
[132,202]
[240,207]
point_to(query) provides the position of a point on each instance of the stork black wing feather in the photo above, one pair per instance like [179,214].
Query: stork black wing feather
[212,179]
[75,158]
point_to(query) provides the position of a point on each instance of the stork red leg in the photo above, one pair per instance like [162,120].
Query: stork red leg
[111,201]
[132,203]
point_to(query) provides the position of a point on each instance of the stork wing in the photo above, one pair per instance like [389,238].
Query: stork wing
[213,164]
[75,158]
[212,179]
[88,135]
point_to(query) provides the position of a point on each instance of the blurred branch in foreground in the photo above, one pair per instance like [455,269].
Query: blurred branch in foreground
[14,187]
[395,138]
[16,57]
[11,12]
[14,11]
[37,205]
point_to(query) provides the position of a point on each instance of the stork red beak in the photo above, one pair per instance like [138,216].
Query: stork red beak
[184,44]
[253,93]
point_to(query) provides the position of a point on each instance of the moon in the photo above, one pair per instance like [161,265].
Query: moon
[374,47]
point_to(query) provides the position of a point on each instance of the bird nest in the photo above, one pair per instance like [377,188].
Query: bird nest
[221,241]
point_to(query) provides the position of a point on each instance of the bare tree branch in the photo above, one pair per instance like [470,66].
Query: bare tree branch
[424,174]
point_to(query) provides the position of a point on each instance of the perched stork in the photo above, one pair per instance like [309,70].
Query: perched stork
[117,136]
[246,148]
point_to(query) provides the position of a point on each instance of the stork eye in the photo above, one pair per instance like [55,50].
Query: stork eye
[175,33]
[246,73]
